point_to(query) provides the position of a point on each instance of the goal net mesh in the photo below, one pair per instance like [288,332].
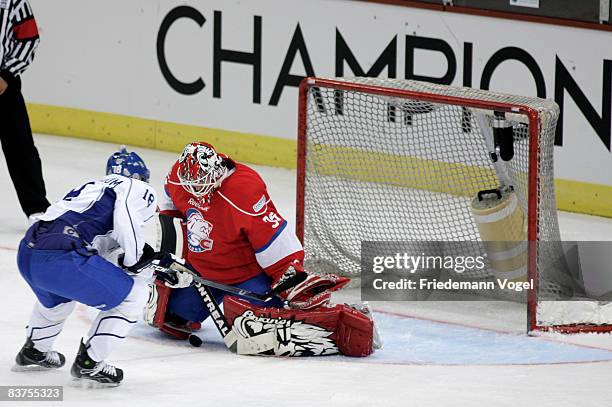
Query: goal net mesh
[401,167]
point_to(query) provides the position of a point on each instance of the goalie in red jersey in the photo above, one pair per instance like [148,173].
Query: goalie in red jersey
[233,234]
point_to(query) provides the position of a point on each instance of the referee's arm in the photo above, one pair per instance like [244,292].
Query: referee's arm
[22,33]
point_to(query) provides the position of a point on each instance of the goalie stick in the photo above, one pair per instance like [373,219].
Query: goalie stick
[251,295]
[229,336]
[167,242]
[265,297]
[234,342]
[202,286]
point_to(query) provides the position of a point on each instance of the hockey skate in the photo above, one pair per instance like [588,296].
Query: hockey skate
[29,358]
[89,373]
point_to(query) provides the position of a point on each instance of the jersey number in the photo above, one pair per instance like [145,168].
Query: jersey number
[148,197]
[272,218]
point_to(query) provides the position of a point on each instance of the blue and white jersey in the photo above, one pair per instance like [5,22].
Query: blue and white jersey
[104,215]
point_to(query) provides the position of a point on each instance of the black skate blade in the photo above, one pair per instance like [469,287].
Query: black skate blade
[83,383]
[32,368]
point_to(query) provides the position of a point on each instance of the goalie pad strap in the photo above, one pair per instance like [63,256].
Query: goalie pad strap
[288,332]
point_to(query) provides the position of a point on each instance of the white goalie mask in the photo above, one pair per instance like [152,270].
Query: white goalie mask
[200,169]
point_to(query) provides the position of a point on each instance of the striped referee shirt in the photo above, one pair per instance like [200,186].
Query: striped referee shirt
[18,38]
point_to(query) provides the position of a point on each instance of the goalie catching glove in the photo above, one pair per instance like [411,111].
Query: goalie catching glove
[314,291]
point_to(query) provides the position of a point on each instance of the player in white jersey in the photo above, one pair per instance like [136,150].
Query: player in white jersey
[62,258]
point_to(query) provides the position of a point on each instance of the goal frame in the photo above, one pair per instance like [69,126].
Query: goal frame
[533,215]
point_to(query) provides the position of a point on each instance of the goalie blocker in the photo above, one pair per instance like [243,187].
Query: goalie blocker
[326,330]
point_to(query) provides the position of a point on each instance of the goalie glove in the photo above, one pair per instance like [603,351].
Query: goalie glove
[167,268]
[171,270]
[175,278]
[314,291]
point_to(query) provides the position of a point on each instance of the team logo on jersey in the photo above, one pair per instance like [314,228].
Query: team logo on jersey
[68,230]
[292,337]
[198,232]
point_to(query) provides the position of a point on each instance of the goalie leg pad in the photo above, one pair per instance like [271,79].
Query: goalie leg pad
[355,333]
[155,311]
[158,312]
[288,332]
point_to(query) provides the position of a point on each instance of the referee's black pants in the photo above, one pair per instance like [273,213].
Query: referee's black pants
[20,152]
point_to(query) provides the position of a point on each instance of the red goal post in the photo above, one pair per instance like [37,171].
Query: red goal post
[319,97]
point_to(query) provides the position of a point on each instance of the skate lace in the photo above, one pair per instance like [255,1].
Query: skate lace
[104,368]
[52,357]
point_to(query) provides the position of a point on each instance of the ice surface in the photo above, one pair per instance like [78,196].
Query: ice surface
[467,354]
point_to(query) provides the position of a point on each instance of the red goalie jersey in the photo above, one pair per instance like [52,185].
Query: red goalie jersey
[237,233]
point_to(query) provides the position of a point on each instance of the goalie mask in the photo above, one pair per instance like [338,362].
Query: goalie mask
[128,164]
[200,169]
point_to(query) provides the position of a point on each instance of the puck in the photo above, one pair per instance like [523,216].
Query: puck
[195,340]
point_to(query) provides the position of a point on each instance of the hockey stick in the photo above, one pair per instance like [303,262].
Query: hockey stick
[248,294]
[202,287]
[235,344]
[251,295]
[229,336]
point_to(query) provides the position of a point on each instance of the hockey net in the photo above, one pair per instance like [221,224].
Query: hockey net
[400,160]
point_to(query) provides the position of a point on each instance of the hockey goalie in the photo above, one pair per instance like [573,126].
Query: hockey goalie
[217,215]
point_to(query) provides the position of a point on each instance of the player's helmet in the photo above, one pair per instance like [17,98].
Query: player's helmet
[128,164]
[200,169]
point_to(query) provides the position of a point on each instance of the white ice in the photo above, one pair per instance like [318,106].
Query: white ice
[469,354]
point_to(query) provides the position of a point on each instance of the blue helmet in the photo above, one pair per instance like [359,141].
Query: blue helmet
[127,164]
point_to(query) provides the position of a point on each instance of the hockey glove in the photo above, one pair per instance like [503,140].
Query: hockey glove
[148,254]
[313,292]
[175,278]
[161,263]
[171,270]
